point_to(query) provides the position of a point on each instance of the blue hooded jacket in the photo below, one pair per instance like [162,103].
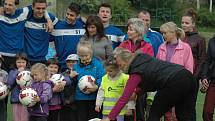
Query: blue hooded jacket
[95,69]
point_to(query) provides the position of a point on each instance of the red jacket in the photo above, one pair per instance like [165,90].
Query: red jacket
[143,46]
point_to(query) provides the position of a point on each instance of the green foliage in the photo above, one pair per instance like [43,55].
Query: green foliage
[161,10]
[121,11]
[205,18]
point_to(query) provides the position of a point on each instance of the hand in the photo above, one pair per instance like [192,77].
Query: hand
[57,88]
[21,69]
[36,99]
[49,26]
[73,74]
[205,84]
[129,112]
[97,109]
[62,84]
[90,90]
[105,119]
[133,96]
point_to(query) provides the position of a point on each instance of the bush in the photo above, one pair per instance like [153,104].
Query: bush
[206,19]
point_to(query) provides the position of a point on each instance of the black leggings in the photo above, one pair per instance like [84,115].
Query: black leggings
[68,114]
[37,118]
[180,91]
[86,110]
[54,115]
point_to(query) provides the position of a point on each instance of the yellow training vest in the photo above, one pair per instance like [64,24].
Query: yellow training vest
[112,91]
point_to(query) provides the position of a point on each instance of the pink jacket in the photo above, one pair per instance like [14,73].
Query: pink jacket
[182,55]
[144,47]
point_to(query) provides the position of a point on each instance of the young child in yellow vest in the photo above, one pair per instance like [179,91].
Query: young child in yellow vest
[111,89]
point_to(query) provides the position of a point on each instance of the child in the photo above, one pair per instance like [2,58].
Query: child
[70,61]
[43,87]
[3,102]
[111,89]
[56,100]
[87,65]
[69,108]
[20,112]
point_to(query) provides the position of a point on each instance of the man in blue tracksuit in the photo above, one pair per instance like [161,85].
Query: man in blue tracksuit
[12,24]
[67,34]
[11,32]
[36,37]
[153,37]
[113,33]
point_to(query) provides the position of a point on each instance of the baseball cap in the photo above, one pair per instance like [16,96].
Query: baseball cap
[72,57]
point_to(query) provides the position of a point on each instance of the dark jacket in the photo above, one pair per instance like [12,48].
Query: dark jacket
[154,73]
[69,91]
[198,46]
[208,68]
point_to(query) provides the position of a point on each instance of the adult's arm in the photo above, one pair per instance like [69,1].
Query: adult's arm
[189,62]
[208,61]
[200,56]
[132,83]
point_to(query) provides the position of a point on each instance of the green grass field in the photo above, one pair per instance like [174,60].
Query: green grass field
[199,107]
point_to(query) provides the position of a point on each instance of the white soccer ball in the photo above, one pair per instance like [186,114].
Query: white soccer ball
[86,82]
[26,96]
[57,78]
[95,119]
[3,90]
[24,78]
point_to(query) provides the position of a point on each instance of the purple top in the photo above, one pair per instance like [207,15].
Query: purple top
[44,91]
[170,51]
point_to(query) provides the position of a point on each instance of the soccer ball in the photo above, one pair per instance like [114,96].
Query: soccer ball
[57,78]
[24,78]
[26,97]
[3,90]
[95,119]
[86,82]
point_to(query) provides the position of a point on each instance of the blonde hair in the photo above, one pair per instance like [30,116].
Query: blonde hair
[85,44]
[41,68]
[122,53]
[138,25]
[172,27]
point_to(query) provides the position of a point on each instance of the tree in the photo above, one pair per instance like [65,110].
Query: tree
[211,6]
[198,4]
